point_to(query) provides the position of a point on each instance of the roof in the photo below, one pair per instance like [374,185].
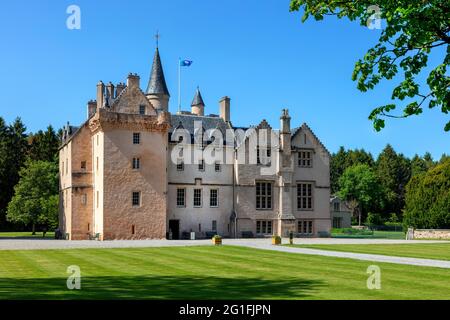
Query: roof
[188,122]
[197,98]
[157,82]
[307,128]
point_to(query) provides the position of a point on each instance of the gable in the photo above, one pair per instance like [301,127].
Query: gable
[130,100]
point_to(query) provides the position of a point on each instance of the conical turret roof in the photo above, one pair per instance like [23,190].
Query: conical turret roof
[157,82]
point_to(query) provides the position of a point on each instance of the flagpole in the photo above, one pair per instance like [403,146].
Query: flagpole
[179,85]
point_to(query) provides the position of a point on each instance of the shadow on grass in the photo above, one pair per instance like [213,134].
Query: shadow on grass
[159,287]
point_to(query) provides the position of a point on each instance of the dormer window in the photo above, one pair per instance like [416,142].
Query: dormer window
[141,109]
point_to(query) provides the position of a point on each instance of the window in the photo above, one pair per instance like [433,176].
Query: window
[83,165]
[304,196]
[96,199]
[97,163]
[136,199]
[217,167]
[213,198]
[67,166]
[336,206]
[263,226]
[263,195]
[141,109]
[337,222]
[181,197]
[180,165]
[136,138]
[199,227]
[136,163]
[84,199]
[305,226]
[62,171]
[305,159]
[89,227]
[214,225]
[132,229]
[201,165]
[97,139]
[197,197]
[263,156]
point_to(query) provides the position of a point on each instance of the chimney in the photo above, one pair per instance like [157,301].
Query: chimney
[133,81]
[100,91]
[110,90]
[91,108]
[119,88]
[285,131]
[224,108]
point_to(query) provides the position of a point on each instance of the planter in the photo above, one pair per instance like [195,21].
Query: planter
[276,240]
[217,240]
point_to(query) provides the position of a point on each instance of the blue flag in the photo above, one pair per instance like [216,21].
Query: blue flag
[185,63]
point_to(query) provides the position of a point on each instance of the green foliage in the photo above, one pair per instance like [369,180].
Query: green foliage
[13,153]
[374,219]
[359,183]
[394,172]
[344,159]
[428,199]
[35,199]
[44,145]
[413,29]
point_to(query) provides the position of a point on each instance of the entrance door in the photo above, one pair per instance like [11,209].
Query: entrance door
[174,227]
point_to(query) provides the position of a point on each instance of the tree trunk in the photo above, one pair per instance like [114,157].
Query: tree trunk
[359,218]
[33,229]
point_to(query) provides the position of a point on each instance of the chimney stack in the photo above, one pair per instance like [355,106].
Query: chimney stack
[133,81]
[119,88]
[224,108]
[91,108]
[110,90]
[100,92]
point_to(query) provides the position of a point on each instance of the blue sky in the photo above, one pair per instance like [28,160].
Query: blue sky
[256,52]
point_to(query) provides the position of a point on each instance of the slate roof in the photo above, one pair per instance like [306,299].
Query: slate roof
[187,122]
[157,82]
[197,98]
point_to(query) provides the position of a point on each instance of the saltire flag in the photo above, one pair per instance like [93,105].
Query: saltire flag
[185,63]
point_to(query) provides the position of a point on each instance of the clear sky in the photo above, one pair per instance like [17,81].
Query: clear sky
[256,52]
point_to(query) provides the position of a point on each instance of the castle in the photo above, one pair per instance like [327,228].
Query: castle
[133,170]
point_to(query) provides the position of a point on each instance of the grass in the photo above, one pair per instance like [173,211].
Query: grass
[25,235]
[439,251]
[397,235]
[208,272]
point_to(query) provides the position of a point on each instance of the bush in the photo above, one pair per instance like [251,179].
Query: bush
[428,199]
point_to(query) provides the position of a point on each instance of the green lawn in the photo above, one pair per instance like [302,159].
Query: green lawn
[208,272]
[439,251]
[25,235]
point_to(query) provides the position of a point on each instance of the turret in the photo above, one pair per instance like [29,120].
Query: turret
[197,105]
[157,92]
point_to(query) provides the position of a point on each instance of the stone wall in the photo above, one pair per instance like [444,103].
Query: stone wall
[431,234]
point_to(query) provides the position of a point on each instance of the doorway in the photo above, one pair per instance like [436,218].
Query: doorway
[174,227]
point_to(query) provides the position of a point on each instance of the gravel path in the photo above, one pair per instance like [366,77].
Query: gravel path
[40,244]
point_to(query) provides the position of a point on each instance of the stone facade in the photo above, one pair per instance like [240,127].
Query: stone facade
[125,173]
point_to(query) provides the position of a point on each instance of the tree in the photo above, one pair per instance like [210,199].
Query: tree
[428,199]
[394,172]
[44,145]
[359,184]
[35,199]
[13,153]
[344,159]
[413,29]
